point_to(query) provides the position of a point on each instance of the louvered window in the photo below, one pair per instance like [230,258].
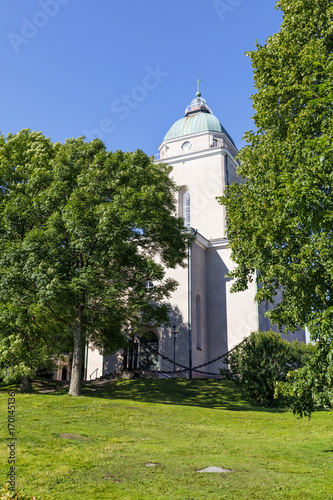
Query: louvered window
[187,209]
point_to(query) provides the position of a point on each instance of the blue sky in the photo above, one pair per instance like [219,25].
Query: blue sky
[125,71]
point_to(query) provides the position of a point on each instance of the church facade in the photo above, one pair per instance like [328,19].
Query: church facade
[207,319]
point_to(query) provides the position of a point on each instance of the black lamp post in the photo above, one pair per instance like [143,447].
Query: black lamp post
[174,331]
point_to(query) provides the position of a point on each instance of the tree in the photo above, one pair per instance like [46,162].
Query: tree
[28,336]
[280,219]
[310,388]
[83,231]
[29,340]
[263,359]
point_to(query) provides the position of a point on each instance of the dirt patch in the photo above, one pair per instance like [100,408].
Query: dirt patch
[98,382]
[112,478]
[47,391]
[75,437]
[48,386]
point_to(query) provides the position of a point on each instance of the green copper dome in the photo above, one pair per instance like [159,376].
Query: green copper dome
[198,118]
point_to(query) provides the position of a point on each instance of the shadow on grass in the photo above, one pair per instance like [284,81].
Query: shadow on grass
[205,393]
[39,386]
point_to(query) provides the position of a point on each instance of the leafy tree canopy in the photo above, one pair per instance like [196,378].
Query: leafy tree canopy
[280,219]
[29,340]
[82,231]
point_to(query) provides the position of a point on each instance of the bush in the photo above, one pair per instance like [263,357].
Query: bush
[263,359]
[5,494]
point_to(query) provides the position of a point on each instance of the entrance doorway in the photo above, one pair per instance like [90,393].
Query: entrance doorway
[142,353]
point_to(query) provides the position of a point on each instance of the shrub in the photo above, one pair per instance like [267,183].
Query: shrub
[263,359]
[5,494]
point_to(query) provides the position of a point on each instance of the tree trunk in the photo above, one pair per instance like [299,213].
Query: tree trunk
[70,363]
[26,384]
[75,382]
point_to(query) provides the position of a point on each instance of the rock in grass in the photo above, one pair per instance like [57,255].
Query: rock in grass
[215,469]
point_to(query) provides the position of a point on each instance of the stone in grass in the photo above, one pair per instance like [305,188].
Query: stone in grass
[151,464]
[215,469]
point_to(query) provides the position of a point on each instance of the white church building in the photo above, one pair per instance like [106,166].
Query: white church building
[207,319]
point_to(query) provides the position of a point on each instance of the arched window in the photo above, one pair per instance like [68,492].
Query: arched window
[186,203]
[198,322]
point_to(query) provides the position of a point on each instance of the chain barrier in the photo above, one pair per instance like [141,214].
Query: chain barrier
[186,368]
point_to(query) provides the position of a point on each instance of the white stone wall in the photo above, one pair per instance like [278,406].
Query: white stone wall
[178,304]
[199,289]
[94,362]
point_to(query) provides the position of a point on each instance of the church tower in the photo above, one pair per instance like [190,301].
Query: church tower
[202,156]
[208,320]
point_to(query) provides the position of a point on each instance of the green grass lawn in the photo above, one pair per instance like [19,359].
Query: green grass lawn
[98,446]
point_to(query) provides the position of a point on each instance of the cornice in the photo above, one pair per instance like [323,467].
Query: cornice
[216,243]
[172,160]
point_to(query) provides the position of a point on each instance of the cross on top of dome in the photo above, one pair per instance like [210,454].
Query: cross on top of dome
[198,105]
[198,84]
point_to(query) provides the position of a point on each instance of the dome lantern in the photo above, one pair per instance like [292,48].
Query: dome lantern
[198,118]
[198,104]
